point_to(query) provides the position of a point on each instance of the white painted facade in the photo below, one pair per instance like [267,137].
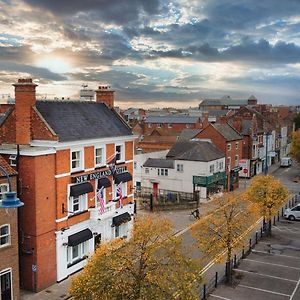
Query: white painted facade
[179,179]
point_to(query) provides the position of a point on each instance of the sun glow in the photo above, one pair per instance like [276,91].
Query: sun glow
[54,63]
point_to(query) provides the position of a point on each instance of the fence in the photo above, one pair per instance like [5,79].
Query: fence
[220,276]
[163,199]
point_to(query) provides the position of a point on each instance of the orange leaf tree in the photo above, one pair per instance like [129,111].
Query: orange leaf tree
[150,265]
[269,194]
[295,147]
[225,230]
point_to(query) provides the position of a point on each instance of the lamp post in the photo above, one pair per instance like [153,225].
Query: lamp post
[10,199]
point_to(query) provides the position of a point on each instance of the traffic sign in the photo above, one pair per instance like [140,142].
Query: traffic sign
[245,171]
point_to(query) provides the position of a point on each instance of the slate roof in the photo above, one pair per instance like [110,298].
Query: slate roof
[224,101]
[5,114]
[159,163]
[172,119]
[188,134]
[81,120]
[227,132]
[195,151]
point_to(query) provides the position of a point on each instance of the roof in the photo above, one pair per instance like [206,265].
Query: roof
[228,132]
[5,114]
[188,134]
[159,163]
[4,164]
[81,120]
[172,119]
[195,151]
[226,100]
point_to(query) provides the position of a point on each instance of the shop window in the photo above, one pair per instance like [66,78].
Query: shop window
[4,188]
[6,285]
[119,153]
[78,204]
[77,253]
[4,235]
[99,157]
[76,160]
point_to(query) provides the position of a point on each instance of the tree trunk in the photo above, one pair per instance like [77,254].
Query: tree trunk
[270,227]
[228,267]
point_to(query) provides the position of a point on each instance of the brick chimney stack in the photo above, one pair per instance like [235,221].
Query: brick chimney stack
[25,99]
[105,95]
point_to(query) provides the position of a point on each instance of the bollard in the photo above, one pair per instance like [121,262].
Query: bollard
[261,232]
[256,237]
[250,245]
[216,280]
[274,220]
[234,261]
[282,212]
[278,215]
[243,252]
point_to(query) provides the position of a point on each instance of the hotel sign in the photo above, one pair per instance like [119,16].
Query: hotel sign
[97,175]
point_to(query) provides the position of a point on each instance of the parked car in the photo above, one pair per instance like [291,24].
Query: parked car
[293,213]
[285,162]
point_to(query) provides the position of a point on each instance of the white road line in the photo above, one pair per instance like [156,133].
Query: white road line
[294,292]
[219,297]
[262,290]
[274,254]
[264,275]
[267,263]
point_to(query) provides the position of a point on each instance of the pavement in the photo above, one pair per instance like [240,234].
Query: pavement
[181,220]
[271,271]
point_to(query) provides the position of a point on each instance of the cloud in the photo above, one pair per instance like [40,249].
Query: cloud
[32,71]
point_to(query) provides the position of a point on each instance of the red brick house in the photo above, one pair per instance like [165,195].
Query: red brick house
[69,191]
[230,142]
[9,247]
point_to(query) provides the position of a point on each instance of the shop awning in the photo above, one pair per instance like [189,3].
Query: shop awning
[120,219]
[123,177]
[103,182]
[79,237]
[80,189]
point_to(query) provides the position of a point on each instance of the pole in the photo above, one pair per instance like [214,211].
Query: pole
[266,159]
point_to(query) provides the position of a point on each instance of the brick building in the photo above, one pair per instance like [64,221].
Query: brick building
[9,248]
[63,150]
[230,142]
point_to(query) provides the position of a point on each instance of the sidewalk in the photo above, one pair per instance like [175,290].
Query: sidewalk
[181,219]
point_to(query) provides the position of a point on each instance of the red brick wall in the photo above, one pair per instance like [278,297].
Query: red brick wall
[106,97]
[9,256]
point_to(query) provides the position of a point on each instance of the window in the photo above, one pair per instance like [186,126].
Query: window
[221,166]
[77,253]
[76,161]
[99,156]
[236,160]
[134,165]
[228,161]
[163,172]
[166,172]
[211,168]
[4,235]
[117,231]
[228,147]
[13,160]
[78,204]
[147,171]
[6,285]
[119,153]
[3,189]
[237,145]
[180,168]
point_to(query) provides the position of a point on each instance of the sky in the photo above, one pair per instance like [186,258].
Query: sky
[154,53]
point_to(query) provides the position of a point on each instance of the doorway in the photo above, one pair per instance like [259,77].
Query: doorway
[97,240]
[5,285]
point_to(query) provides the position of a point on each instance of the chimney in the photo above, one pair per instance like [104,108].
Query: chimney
[25,99]
[105,95]
[205,119]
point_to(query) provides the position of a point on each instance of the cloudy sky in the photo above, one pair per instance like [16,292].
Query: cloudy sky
[154,52]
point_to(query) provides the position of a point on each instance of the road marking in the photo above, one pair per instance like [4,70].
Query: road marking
[219,297]
[267,263]
[274,254]
[262,290]
[294,292]
[264,275]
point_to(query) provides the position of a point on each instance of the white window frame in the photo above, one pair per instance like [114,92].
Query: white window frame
[228,161]
[82,251]
[82,201]
[103,160]
[13,160]
[211,168]
[179,168]
[228,147]
[236,145]
[4,272]
[221,166]
[122,152]
[7,235]
[4,188]
[81,160]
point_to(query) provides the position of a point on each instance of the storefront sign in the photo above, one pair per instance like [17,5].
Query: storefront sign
[97,175]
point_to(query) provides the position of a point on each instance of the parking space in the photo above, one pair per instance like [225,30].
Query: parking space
[271,271]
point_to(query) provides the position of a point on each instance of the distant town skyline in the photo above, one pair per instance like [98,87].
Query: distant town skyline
[154,53]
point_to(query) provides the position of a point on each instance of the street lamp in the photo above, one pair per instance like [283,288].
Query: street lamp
[10,199]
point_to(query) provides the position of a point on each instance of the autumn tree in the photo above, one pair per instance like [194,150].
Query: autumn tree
[150,265]
[295,148]
[220,233]
[269,194]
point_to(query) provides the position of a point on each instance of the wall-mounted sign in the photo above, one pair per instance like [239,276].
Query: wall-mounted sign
[97,175]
